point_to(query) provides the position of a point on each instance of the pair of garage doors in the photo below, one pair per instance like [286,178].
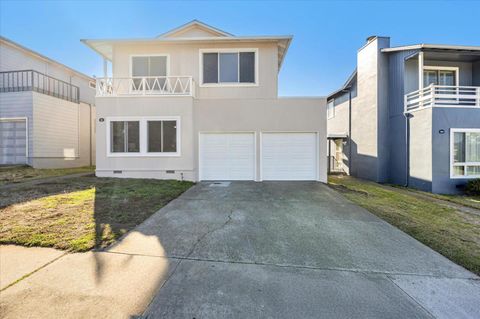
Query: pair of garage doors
[13,141]
[283,156]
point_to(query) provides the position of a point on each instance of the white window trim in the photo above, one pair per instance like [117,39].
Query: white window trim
[333,108]
[144,136]
[232,50]
[444,68]
[452,162]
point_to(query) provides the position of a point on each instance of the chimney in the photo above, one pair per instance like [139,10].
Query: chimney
[371,38]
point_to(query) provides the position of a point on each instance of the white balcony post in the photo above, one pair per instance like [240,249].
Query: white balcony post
[420,77]
[144,82]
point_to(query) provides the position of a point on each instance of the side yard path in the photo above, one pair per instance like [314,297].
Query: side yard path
[448,224]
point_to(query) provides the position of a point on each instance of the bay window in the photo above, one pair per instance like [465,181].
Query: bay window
[465,148]
[146,136]
[236,66]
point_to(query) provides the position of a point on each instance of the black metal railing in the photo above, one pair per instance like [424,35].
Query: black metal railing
[30,80]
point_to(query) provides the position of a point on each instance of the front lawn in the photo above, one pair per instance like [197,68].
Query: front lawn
[81,213]
[453,233]
[16,174]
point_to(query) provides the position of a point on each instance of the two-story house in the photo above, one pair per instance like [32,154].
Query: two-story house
[198,103]
[409,115]
[47,111]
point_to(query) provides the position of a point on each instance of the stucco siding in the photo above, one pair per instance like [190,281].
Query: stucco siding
[185,61]
[19,104]
[446,119]
[421,150]
[259,115]
[146,166]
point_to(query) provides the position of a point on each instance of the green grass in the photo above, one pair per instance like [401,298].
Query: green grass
[81,213]
[452,233]
[17,174]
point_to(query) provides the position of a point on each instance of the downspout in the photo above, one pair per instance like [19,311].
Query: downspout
[90,132]
[329,156]
[408,116]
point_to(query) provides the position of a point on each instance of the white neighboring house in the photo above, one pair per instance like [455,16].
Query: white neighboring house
[199,103]
[47,112]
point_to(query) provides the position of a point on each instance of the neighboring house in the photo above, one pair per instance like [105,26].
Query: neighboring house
[415,116]
[46,111]
[198,103]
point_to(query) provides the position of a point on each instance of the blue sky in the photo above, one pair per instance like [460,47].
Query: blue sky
[326,34]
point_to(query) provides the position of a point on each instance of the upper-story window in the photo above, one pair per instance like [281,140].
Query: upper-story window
[229,67]
[153,69]
[331,109]
[447,76]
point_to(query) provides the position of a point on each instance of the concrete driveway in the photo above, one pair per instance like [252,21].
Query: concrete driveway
[247,250]
[293,250]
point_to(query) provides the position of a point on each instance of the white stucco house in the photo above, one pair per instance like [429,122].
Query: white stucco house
[47,111]
[198,103]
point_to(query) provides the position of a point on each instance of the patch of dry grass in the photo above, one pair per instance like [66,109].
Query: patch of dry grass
[81,213]
[17,174]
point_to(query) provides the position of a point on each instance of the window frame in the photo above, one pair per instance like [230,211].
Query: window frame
[437,69]
[464,164]
[333,109]
[228,84]
[149,55]
[143,136]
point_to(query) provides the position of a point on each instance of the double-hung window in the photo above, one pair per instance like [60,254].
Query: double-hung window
[465,149]
[146,136]
[149,72]
[237,67]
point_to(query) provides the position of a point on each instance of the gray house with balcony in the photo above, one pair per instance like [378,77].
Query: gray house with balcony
[409,115]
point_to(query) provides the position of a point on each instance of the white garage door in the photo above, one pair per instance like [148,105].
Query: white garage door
[13,142]
[227,156]
[289,156]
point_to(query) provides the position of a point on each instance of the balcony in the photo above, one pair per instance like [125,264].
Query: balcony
[146,86]
[443,96]
[30,80]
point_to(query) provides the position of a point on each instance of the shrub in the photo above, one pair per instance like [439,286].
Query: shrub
[473,187]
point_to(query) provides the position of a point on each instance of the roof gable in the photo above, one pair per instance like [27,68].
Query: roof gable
[194,29]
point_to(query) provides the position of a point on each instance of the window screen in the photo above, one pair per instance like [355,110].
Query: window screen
[125,136]
[247,67]
[210,68]
[162,136]
[231,67]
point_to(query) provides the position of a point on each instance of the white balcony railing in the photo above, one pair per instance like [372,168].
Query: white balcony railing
[443,96]
[143,86]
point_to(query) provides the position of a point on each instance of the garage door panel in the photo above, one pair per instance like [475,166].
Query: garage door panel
[14,142]
[289,156]
[227,156]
